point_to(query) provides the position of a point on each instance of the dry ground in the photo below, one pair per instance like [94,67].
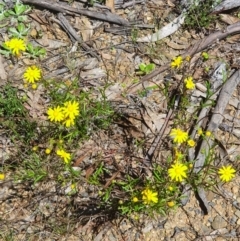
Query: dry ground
[44,211]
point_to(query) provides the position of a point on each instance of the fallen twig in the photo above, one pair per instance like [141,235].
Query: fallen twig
[58,7]
[70,30]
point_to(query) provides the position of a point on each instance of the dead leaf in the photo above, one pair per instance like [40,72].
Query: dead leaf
[35,104]
[3,75]
[50,43]
[177,46]
[229,19]
[170,3]
[84,25]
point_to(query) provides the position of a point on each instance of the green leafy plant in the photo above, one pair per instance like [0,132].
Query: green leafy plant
[33,169]
[18,11]
[199,15]
[20,31]
[145,68]
[34,52]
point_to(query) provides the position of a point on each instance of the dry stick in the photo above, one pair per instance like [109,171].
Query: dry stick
[156,141]
[69,29]
[58,7]
[198,47]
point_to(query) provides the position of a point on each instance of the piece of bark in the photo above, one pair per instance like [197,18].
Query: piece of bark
[3,74]
[58,7]
[165,31]
[226,5]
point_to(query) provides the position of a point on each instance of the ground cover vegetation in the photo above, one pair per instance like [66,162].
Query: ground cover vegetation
[44,149]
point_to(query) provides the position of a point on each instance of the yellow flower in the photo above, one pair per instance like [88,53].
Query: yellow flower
[200,131]
[16,45]
[48,151]
[176,62]
[66,156]
[149,196]
[191,143]
[189,83]
[178,155]
[73,186]
[190,165]
[34,86]
[55,114]
[178,135]
[32,74]
[208,133]
[178,172]
[226,173]
[2,176]
[35,148]
[68,122]
[71,109]
[135,199]
[170,188]
[171,204]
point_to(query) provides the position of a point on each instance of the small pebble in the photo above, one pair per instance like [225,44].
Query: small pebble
[219,222]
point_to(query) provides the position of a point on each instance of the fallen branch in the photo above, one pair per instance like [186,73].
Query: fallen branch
[58,7]
[226,5]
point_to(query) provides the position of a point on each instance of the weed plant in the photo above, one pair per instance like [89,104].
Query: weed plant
[199,14]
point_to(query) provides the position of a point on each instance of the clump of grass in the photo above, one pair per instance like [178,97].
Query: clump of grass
[199,15]
[14,115]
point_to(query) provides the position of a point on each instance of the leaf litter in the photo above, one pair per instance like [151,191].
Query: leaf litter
[143,118]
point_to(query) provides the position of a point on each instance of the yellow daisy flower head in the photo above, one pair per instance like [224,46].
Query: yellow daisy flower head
[171,188]
[178,155]
[71,109]
[177,172]
[176,62]
[48,151]
[191,143]
[32,74]
[135,199]
[171,204]
[2,176]
[200,131]
[35,148]
[208,133]
[149,197]
[65,155]
[178,135]
[226,173]
[34,86]
[55,114]
[69,122]
[15,45]
[189,83]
